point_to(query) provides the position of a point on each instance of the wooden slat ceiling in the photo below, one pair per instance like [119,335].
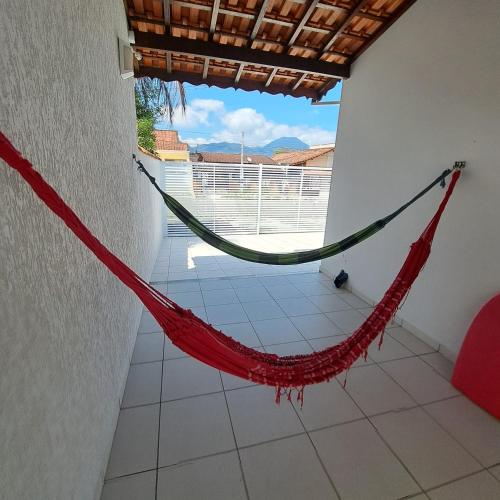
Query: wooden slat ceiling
[294,47]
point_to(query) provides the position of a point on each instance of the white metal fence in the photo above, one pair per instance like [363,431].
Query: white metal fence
[249,199]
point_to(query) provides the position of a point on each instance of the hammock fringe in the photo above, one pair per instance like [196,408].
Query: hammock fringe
[211,346]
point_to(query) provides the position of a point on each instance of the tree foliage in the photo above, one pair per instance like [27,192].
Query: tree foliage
[155,100]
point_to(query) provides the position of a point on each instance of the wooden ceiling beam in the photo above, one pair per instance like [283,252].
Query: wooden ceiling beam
[299,81]
[226,82]
[151,41]
[338,32]
[213,17]
[258,22]
[206,62]
[192,5]
[270,77]
[336,8]
[305,17]
[238,73]
[166,11]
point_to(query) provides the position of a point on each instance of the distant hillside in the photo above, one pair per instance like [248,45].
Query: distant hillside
[234,147]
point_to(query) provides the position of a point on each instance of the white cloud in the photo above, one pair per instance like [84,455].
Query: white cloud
[228,125]
[259,130]
[198,113]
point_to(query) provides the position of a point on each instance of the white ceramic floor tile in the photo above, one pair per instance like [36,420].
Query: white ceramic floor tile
[276,331]
[138,486]
[227,313]
[476,430]
[269,281]
[313,288]
[326,342]
[148,348]
[219,297]
[263,309]
[496,471]
[187,300]
[231,382]
[143,385]
[194,427]
[200,312]
[171,351]
[442,365]
[361,466]
[315,277]
[290,348]
[215,284]
[326,404]
[298,307]
[431,455]
[287,469]
[183,286]
[242,332]
[329,303]
[355,301]
[389,350]
[284,291]
[374,391]
[245,282]
[257,418]
[253,294]
[421,381]
[135,441]
[211,478]
[187,275]
[148,324]
[188,377]
[481,486]
[410,341]
[348,321]
[314,326]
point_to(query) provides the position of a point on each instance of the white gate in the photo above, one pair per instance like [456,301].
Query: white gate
[249,199]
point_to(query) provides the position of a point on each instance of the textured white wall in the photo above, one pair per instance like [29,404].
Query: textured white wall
[67,326]
[425,94]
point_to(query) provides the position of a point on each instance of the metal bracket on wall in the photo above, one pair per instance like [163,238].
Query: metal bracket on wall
[460,165]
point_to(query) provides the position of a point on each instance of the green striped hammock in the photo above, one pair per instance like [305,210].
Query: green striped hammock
[282,259]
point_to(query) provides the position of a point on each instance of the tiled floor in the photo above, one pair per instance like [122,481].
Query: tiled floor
[397,430]
[191,258]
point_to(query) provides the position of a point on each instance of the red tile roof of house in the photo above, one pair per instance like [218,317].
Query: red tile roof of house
[209,157]
[300,157]
[168,140]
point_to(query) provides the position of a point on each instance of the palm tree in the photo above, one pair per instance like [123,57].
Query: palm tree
[162,98]
[155,100]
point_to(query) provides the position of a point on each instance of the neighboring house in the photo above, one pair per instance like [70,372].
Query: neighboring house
[317,156]
[209,157]
[168,146]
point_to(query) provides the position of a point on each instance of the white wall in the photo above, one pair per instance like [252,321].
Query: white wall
[67,326]
[425,94]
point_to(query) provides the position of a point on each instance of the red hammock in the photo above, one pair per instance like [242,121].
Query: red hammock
[205,343]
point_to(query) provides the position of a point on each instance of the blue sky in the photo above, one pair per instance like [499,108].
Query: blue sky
[216,115]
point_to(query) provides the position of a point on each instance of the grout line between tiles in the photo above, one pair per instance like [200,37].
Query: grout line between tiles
[159,421]
[235,441]
[398,458]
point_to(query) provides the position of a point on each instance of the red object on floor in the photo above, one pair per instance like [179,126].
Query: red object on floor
[477,370]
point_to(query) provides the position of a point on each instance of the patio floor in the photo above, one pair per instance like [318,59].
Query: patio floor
[186,431]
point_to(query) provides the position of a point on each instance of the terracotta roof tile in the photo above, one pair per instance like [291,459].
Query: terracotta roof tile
[168,140]
[300,157]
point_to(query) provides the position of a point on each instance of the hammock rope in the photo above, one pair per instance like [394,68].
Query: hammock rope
[226,246]
[209,345]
